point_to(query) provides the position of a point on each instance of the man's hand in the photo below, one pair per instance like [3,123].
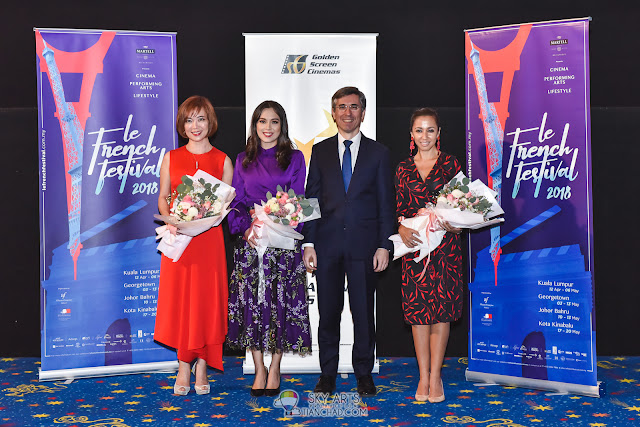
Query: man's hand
[380,260]
[310,259]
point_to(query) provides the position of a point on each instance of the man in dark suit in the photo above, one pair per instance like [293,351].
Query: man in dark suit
[351,176]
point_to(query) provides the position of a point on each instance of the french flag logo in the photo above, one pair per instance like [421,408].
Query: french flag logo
[65,311]
[488,316]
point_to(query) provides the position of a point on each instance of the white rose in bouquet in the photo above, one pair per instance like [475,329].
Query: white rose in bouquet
[273,205]
[457,193]
[193,211]
[290,208]
[217,206]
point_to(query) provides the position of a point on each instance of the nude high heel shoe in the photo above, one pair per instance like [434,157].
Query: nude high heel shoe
[181,390]
[201,389]
[438,399]
[421,397]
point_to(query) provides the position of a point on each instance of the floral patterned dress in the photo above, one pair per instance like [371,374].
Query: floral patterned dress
[278,319]
[437,295]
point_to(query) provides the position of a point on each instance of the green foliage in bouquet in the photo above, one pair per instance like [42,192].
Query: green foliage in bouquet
[187,187]
[280,214]
[466,201]
[195,200]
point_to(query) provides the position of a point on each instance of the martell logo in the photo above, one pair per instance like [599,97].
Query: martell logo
[558,42]
[294,64]
[145,51]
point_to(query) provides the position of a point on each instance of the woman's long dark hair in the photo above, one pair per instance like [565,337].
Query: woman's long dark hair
[284,148]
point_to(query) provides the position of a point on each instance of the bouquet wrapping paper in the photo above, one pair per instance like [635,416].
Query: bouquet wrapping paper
[173,246]
[271,234]
[428,221]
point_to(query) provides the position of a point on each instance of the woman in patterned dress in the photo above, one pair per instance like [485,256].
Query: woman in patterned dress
[268,311]
[431,293]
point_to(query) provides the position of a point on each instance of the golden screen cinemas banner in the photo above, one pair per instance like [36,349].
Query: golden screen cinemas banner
[302,72]
[528,137]
[107,107]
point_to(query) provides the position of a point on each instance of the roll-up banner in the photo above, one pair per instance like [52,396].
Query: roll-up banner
[106,112]
[302,72]
[528,136]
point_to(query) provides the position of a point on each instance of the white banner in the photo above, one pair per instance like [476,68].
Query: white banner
[302,72]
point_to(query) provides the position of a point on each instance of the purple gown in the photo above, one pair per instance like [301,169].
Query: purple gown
[281,322]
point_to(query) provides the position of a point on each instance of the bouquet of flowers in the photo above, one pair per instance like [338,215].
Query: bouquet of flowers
[274,224]
[461,203]
[275,219]
[466,204]
[200,202]
[195,200]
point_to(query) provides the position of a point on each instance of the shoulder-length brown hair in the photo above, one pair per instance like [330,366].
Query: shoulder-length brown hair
[191,106]
[284,148]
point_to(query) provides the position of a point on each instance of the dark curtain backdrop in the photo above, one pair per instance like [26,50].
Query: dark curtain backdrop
[420,63]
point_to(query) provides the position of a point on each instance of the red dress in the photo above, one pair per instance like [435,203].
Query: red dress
[192,298]
[436,297]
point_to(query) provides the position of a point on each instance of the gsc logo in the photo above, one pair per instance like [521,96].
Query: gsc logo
[294,64]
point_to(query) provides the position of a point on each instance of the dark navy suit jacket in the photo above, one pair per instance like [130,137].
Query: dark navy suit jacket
[360,220]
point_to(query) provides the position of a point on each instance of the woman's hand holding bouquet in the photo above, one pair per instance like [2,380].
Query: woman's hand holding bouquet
[274,224]
[460,204]
[200,202]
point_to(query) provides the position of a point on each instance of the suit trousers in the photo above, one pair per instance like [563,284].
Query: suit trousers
[361,285]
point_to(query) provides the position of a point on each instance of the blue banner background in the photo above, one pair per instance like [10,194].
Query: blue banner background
[536,318]
[106,315]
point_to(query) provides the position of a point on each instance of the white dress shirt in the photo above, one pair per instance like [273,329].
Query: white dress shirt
[354,148]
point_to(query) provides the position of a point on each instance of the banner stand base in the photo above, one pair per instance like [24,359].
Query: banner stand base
[107,371]
[584,390]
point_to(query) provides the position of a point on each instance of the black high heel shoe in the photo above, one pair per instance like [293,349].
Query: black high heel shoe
[257,392]
[272,392]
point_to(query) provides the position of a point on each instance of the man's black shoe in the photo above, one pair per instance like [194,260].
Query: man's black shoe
[326,384]
[366,387]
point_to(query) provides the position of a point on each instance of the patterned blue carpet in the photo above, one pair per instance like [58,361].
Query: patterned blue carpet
[147,399]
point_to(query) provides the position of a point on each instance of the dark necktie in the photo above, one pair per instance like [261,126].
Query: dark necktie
[346,165]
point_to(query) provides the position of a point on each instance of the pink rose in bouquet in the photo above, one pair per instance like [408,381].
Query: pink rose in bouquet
[287,207]
[195,199]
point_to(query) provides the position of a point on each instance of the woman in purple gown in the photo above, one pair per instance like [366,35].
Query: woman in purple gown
[278,320]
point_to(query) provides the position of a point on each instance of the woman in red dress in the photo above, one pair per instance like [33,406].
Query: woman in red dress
[431,297]
[192,298]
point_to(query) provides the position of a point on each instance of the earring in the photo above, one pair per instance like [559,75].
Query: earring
[411,145]
[438,143]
